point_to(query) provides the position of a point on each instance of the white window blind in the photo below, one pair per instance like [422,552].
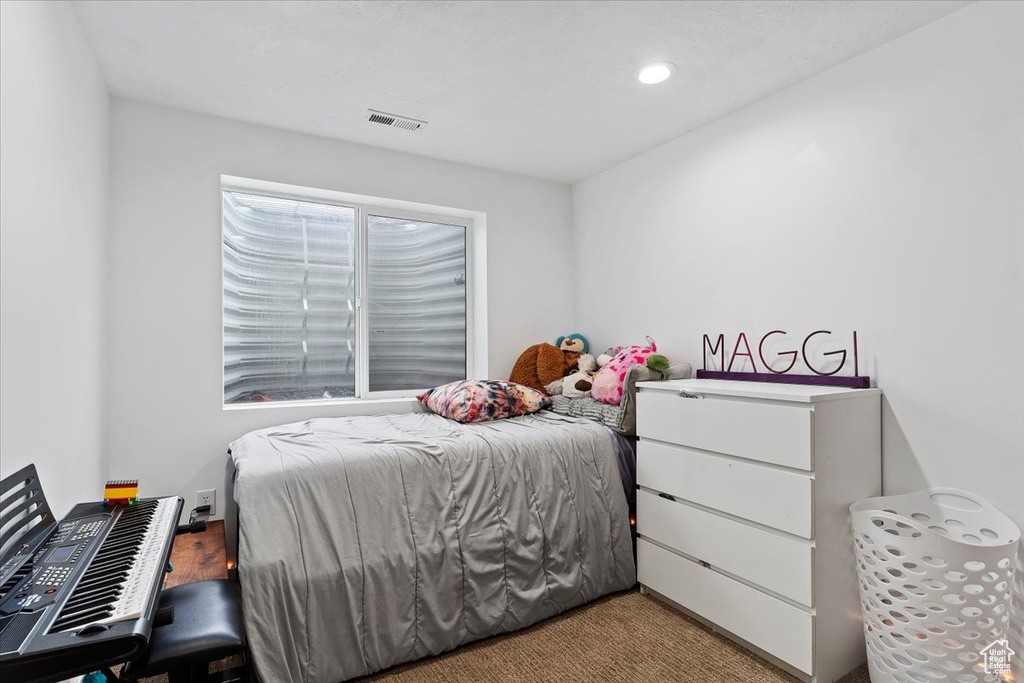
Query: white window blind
[327,301]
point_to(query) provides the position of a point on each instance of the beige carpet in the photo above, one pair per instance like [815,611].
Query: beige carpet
[625,637]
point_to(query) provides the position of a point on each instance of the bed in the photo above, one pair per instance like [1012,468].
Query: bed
[365,542]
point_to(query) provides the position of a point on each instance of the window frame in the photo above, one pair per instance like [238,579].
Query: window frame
[363,209]
[363,212]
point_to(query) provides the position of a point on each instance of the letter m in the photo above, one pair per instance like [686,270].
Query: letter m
[719,348]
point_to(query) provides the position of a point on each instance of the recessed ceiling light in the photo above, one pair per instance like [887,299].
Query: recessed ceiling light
[655,73]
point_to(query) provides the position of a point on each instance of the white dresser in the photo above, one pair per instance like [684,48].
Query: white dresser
[743,512]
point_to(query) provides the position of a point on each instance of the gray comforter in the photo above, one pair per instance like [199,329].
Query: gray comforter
[370,541]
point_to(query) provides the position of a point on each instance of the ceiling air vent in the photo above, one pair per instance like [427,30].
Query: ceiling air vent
[394,120]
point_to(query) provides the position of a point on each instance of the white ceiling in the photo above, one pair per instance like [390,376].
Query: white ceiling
[545,89]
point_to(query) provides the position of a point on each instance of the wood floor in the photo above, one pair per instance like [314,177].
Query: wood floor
[197,557]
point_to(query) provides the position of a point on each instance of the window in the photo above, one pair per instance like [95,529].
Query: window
[416,303]
[326,301]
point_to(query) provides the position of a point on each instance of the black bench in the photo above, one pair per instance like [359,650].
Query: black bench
[204,624]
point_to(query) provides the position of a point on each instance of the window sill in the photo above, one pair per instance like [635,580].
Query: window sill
[349,406]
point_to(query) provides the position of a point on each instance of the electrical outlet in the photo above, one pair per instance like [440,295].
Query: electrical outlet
[207,497]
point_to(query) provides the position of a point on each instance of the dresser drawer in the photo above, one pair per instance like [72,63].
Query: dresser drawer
[780,564]
[773,433]
[776,498]
[770,624]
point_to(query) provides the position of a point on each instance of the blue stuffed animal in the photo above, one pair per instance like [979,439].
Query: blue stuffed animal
[573,342]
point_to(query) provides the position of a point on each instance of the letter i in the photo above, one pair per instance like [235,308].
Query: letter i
[856,365]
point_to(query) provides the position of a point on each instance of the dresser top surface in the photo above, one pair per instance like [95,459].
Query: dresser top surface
[800,393]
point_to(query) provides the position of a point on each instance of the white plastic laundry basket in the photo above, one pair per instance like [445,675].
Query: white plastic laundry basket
[935,569]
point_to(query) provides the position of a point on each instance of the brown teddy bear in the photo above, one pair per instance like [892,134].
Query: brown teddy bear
[542,364]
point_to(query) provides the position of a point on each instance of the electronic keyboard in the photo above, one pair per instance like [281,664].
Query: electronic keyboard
[81,594]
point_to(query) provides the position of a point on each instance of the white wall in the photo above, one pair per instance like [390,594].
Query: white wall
[53,196]
[166,424]
[885,195]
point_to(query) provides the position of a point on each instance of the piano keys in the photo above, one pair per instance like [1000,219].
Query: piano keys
[80,594]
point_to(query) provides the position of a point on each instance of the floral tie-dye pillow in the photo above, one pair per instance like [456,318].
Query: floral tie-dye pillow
[479,400]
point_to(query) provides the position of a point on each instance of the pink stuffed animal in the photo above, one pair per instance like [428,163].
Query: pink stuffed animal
[609,379]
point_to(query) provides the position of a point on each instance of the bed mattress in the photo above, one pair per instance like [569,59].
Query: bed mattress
[370,541]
